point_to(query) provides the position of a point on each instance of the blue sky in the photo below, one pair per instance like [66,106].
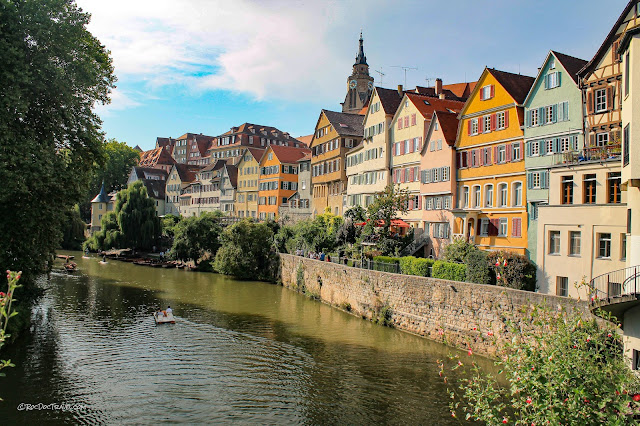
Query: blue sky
[203,66]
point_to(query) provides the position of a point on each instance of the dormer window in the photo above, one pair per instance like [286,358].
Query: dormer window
[552,64]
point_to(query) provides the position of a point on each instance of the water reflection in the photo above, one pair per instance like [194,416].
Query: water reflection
[244,352]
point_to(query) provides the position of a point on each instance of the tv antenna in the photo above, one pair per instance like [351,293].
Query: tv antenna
[381,75]
[405,71]
[428,80]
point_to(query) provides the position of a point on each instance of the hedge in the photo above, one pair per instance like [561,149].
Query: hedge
[449,271]
[410,265]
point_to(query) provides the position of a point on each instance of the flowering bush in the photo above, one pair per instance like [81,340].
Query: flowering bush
[570,371]
[6,300]
[512,270]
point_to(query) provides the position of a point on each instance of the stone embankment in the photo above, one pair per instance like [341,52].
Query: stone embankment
[460,314]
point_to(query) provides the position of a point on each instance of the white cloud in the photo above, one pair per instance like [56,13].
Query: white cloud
[119,101]
[275,49]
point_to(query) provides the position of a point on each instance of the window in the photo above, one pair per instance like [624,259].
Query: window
[562,286]
[552,63]
[574,243]
[533,211]
[515,155]
[516,227]
[554,242]
[486,124]
[477,201]
[550,114]
[601,100]
[502,195]
[552,80]
[534,120]
[589,189]
[416,144]
[613,187]
[535,148]
[604,245]
[488,196]
[502,230]
[502,154]
[270,156]
[500,120]
[623,246]
[517,194]
[626,74]
[486,92]
[484,227]
[567,189]
[626,140]
[564,145]
[549,146]
[465,197]
[602,139]
[474,126]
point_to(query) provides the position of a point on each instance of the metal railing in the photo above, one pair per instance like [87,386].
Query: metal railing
[589,153]
[417,243]
[615,284]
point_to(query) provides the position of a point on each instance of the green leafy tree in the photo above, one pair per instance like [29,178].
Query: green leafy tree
[570,369]
[168,225]
[477,267]
[458,250]
[356,213]
[197,237]
[52,73]
[388,203]
[247,251]
[73,230]
[112,169]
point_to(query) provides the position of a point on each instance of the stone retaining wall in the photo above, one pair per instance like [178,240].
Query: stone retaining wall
[459,314]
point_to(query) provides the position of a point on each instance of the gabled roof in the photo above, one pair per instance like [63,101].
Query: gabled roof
[256,153]
[289,154]
[307,157]
[164,142]
[609,39]
[449,124]
[571,64]
[427,105]
[140,172]
[187,172]
[305,139]
[155,188]
[461,90]
[516,85]
[215,166]
[345,124]
[232,172]
[389,99]
[155,156]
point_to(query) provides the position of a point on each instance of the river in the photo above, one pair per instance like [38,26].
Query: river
[240,352]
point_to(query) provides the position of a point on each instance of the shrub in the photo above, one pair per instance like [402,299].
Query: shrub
[517,272]
[477,267]
[411,265]
[387,259]
[569,370]
[406,265]
[458,250]
[449,271]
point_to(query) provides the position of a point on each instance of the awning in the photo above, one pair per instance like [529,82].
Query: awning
[398,223]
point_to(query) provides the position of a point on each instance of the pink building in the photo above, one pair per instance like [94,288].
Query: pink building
[438,181]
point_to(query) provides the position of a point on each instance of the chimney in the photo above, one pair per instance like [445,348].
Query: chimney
[400,91]
[438,86]
[442,96]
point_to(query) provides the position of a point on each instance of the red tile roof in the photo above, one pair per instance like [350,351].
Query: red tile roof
[289,154]
[427,105]
[305,139]
[156,156]
[449,125]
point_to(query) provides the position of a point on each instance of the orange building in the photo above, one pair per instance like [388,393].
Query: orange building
[278,178]
[490,158]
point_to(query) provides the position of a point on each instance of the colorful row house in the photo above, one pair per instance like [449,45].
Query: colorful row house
[553,132]
[369,163]
[298,205]
[335,134]
[490,162]
[409,126]
[248,178]
[438,181]
[278,178]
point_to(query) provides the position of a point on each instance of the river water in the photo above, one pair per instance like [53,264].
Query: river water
[240,352]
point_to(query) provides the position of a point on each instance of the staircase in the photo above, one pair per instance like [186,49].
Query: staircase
[419,242]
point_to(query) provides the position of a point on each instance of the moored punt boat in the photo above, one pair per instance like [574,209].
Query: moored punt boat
[70,267]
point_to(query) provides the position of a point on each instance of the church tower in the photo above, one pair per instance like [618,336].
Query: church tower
[359,83]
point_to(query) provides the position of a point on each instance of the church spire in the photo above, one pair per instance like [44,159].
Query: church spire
[361,58]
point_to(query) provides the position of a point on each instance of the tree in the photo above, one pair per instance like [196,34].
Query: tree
[392,201]
[168,225]
[458,250]
[512,270]
[52,73]
[73,230]
[570,369]
[197,237]
[247,251]
[112,169]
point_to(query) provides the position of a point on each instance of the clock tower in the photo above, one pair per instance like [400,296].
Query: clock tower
[359,83]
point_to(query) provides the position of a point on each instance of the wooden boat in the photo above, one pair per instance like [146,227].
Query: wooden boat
[164,318]
[64,256]
[70,267]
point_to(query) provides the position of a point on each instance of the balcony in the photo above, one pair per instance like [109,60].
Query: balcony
[589,153]
[616,291]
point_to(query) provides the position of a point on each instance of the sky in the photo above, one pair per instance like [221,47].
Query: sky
[204,66]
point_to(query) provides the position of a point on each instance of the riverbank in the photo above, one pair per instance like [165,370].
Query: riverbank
[463,315]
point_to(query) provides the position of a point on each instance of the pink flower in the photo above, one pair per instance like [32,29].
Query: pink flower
[575,347]
[470,352]
[453,414]
[529,400]
[533,368]
[588,339]
[609,335]
[2,294]
[489,333]
[498,276]
[441,332]
[636,397]
[504,420]
[459,362]
[474,328]
[498,263]
[504,263]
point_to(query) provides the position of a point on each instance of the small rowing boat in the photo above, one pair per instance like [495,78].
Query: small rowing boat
[164,318]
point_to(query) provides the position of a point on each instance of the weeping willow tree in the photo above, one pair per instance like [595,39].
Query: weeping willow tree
[132,224]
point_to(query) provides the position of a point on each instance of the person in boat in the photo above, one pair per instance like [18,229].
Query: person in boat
[169,311]
[159,313]
[104,258]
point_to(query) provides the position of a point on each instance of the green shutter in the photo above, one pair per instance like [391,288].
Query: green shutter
[541,116]
[565,110]
[559,79]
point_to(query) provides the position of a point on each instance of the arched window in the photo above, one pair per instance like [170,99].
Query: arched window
[503,199]
[488,195]
[477,197]
[517,193]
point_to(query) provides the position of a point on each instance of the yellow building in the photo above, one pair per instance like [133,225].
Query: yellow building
[491,176]
[248,177]
[100,206]
[336,133]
